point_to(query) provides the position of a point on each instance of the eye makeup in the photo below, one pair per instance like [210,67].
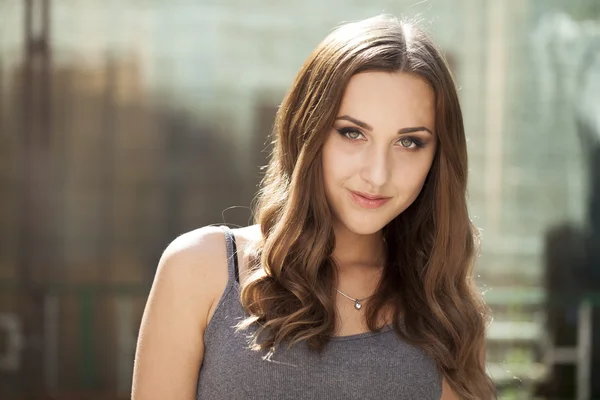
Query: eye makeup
[408,142]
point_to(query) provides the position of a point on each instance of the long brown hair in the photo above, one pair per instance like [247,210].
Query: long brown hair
[431,245]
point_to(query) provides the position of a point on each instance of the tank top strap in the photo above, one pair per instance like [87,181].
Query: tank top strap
[232,258]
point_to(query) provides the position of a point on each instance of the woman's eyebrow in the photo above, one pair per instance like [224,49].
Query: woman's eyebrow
[413,129]
[358,122]
[368,127]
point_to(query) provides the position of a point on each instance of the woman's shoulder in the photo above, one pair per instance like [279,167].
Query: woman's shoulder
[206,242]
[199,257]
[193,267]
[190,276]
[195,253]
[247,235]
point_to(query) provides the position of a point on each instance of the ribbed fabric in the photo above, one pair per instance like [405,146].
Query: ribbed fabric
[371,365]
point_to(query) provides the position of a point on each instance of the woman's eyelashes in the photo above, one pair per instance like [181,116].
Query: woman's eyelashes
[406,142]
[350,133]
[411,142]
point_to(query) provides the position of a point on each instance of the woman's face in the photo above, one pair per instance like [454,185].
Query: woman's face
[380,149]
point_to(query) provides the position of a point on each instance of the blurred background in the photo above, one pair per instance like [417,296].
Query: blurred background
[124,124]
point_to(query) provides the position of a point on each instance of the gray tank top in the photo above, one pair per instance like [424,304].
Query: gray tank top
[371,365]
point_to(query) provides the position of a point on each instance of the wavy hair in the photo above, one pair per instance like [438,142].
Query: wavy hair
[431,245]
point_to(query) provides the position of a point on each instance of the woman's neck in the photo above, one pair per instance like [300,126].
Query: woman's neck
[358,252]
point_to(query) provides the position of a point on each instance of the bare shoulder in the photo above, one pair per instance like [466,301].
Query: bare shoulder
[195,263]
[247,234]
[191,274]
[205,241]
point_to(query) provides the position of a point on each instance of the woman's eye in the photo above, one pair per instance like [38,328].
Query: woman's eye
[406,142]
[351,134]
[411,143]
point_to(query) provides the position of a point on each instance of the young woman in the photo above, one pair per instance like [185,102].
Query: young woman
[355,283]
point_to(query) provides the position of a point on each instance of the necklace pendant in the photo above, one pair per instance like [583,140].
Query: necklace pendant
[357,305]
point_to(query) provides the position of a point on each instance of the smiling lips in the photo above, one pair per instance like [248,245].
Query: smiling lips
[366,200]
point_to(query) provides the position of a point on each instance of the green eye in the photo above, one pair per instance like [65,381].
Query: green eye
[350,133]
[406,142]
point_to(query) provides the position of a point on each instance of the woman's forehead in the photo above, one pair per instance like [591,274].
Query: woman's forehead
[389,100]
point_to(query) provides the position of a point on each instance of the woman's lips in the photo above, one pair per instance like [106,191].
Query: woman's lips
[367,200]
